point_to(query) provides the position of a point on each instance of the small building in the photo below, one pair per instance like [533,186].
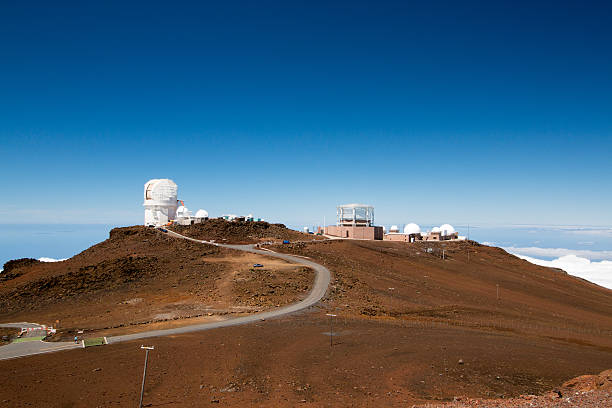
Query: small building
[433,236]
[412,233]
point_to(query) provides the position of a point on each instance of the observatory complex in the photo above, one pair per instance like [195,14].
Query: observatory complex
[412,233]
[356,221]
[162,207]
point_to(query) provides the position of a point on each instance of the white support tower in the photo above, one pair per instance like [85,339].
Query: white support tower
[355,215]
[160,202]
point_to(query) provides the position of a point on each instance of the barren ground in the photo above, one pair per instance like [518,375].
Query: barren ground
[140,278]
[412,328]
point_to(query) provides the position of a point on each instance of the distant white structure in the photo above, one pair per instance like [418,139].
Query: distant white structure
[183,216]
[160,201]
[394,229]
[203,214]
[446,230]
[306,230]
[412,228]
[435,229]
[182,212]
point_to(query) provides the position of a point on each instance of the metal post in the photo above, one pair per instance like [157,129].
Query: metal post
[144,374]
[331,329]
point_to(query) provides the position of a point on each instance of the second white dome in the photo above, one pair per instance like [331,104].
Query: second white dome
[447,229]
[412,228]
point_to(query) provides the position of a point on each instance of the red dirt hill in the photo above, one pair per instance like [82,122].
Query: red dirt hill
[241,232]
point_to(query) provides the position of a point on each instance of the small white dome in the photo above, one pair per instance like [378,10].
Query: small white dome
[435,229]
[201,214]
[182,211]
[447,229]
[412,228]
[394,228]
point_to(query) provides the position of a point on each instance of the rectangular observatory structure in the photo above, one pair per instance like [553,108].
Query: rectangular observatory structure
[355,221]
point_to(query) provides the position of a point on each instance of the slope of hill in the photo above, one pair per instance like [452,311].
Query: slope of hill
[488,288]
[138,276]
[415,323]
[241,232]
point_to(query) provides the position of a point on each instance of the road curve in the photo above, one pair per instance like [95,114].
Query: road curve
[321,283]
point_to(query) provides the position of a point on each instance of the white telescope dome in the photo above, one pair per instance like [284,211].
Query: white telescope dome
[447,229]
[160,201]
[161,190]
[435,229]
[182,212]
[394,228]
[201,214]
[412,228]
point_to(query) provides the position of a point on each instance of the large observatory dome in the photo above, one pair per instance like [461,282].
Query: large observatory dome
[201,214]
[160,201]
[447,229]
[164,190]
[412,228]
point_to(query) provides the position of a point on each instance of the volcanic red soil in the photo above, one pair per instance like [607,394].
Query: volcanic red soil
[477,328]
[242,232]
[6,334]
[139,277]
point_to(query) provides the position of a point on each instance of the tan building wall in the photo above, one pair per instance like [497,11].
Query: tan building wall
[432,236]
[403,237]
[371,233]
[396,237]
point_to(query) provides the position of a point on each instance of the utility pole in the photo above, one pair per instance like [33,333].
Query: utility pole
[468,248]
[331,329]
[144,374]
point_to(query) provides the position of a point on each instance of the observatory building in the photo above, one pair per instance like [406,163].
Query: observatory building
[162,206]
[355,221]
[412,233]
[160,201]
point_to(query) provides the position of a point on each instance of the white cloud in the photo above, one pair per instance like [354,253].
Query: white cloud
[560,252]
[596,272]
[606,232]
[45,259]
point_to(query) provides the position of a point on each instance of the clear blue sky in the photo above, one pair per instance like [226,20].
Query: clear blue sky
[463,112]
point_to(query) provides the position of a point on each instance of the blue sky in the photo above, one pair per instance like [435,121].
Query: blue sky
[445,112]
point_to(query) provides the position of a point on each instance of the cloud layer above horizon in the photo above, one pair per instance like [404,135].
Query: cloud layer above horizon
[557,252]
[597,272]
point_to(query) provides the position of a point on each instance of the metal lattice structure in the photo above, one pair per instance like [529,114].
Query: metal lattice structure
[355,215]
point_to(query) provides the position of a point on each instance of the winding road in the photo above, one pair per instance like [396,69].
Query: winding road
[321,283]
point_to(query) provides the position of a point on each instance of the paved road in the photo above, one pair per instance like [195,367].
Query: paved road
[321,283]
